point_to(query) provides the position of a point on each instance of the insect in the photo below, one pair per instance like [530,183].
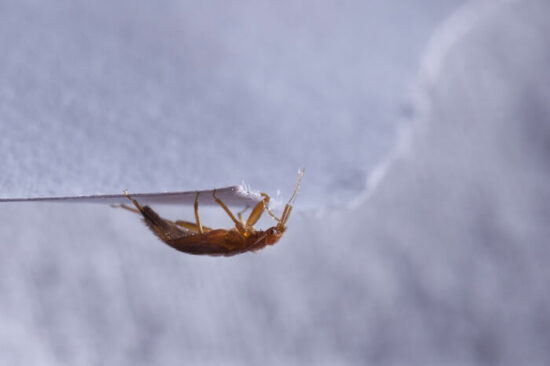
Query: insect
[194,238]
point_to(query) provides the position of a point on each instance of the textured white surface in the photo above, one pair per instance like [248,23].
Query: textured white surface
[180,96]
[445,264]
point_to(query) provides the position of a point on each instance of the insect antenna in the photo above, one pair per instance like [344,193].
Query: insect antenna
[300,176]
[288,206]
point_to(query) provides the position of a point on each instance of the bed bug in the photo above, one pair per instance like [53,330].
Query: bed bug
[194,238]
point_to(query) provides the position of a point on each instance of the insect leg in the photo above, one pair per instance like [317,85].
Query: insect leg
[266,206]
[138,206]
[197,218]
[240,215]
[185,224]
[126,207]
[191,226]
[238,224]
[164,229]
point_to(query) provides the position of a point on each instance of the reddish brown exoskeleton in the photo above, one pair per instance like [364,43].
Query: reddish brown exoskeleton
[194,238]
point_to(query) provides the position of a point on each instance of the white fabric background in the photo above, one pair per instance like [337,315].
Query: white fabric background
[445,262]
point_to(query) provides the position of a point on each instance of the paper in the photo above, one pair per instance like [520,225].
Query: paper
[236,195]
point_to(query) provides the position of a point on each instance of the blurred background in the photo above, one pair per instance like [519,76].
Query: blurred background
[420,235]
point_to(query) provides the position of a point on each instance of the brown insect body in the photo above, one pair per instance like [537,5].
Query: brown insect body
[193,238]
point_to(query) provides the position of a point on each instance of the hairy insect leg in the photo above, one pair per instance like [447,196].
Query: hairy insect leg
[238,224]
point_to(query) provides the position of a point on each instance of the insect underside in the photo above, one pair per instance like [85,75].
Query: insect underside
[194,238]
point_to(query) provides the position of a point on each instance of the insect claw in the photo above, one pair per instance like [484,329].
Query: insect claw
[127,195]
